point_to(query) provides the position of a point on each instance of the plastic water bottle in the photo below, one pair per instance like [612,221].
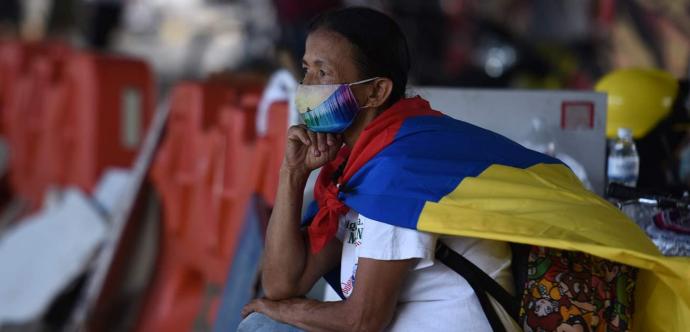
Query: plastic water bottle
[540,138]
[623,161]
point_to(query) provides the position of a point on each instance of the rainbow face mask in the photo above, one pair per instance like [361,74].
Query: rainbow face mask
[328,108]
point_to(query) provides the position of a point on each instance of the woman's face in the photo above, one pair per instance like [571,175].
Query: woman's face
[329,59]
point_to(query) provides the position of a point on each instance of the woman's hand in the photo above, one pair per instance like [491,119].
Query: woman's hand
[264,306]
[307,150]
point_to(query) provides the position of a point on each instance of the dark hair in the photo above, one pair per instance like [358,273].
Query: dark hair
[379,45]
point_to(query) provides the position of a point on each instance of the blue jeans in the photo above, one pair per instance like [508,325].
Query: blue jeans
[258,322]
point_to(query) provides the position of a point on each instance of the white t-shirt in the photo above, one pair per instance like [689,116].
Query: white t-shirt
[434,297]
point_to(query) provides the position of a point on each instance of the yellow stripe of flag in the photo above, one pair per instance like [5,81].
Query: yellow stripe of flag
[546,205]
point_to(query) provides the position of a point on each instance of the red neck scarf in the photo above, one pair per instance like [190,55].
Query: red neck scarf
[375,137]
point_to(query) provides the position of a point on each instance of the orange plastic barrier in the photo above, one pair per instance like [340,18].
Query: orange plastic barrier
[24,115]
[271,149]
[108,106]
[73,115]
[11,65]
[16,59]
[209,165]
[201,172]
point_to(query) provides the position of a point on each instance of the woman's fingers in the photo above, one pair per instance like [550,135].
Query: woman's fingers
[310,150]
[315,146]
[335,141]
[330,139]
[299,132]
[320,144]
[248,309]
[321,141]
[334,146]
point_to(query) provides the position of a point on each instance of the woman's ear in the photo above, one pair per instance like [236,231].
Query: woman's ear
[380,91]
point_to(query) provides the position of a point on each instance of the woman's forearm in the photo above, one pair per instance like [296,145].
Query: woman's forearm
[285,254]
[316,316]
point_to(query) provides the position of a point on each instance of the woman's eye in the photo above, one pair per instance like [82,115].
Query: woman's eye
[322,73]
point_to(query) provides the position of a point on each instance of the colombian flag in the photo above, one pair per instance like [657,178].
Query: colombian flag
[417,168]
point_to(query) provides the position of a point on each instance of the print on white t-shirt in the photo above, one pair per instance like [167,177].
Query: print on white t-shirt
[354,231]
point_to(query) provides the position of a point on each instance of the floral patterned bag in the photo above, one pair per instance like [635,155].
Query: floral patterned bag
[574,291]
[557,290]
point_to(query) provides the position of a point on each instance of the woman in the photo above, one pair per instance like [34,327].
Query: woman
[353,101]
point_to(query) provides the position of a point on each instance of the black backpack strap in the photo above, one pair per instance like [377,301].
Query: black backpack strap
[520,253]
[482,284]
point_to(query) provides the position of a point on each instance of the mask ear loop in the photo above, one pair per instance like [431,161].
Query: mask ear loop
[301,82]
[362,82]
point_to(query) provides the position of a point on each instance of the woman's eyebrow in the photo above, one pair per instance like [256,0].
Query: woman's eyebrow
[316,62]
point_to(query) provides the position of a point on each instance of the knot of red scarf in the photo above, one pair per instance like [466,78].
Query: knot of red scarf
[323,228]
[325,223]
